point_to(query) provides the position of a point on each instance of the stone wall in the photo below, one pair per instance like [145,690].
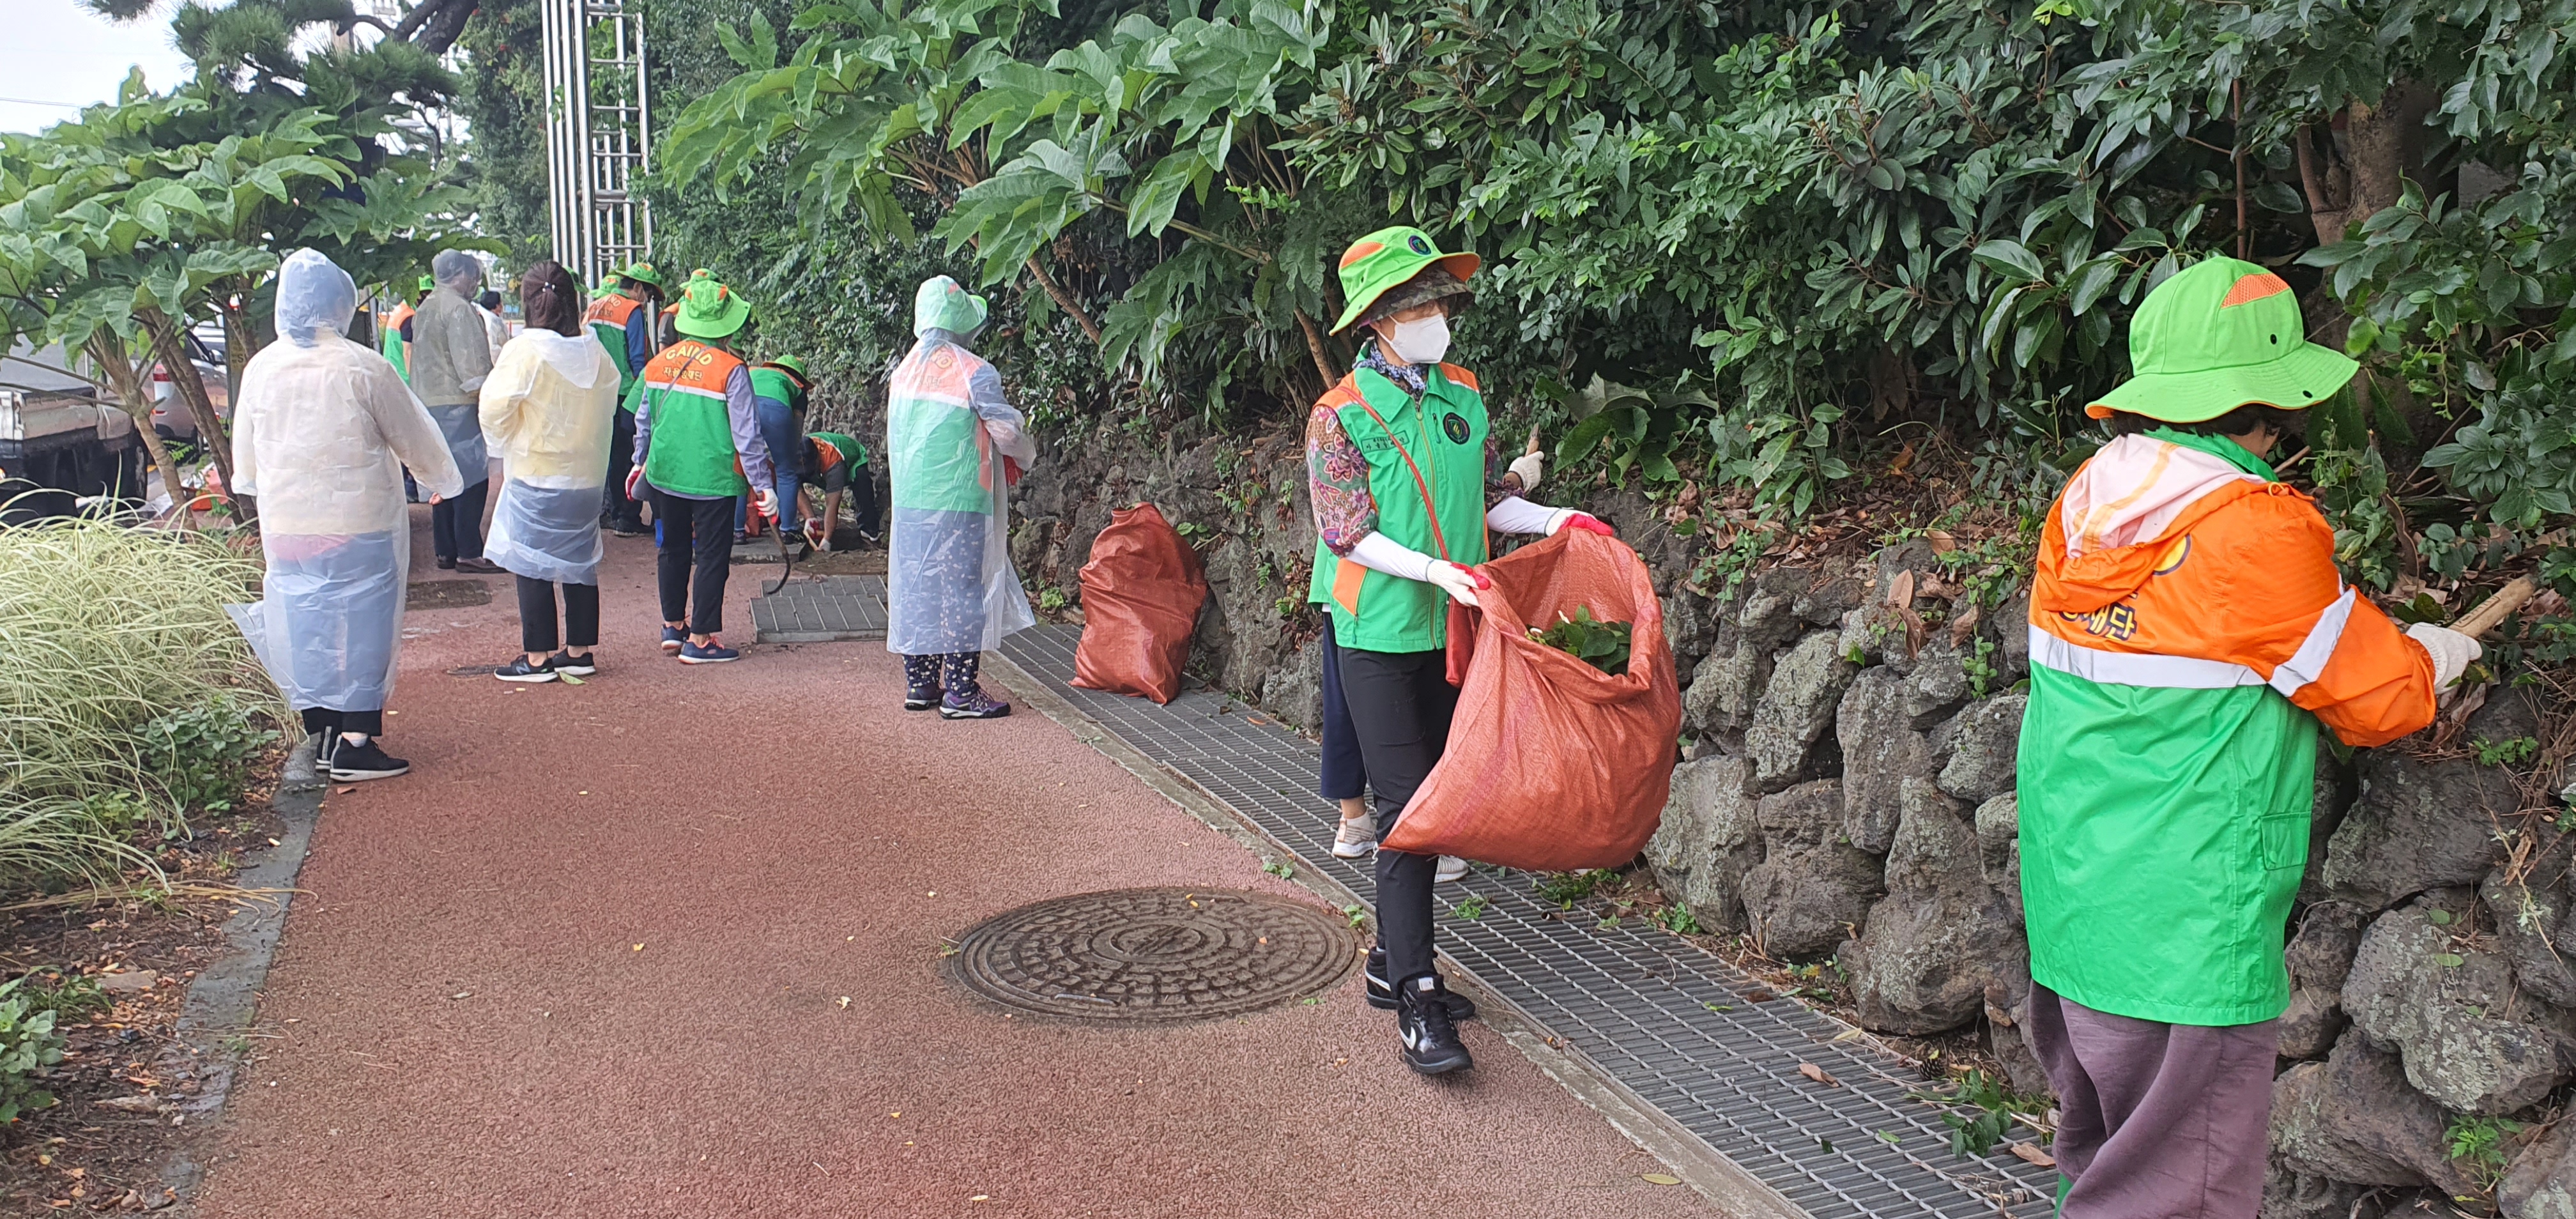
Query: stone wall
[1853,796]
[1850,794]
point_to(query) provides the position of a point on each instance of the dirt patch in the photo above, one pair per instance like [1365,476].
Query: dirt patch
[125,967]
[447,594]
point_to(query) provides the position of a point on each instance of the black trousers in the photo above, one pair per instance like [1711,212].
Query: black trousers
[364,723]
[695,539]
[537,616]
[614,508]
[1400,704]
[863,496]
[456,523]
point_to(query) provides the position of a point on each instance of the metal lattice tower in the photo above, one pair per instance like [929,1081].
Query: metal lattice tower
[598,134]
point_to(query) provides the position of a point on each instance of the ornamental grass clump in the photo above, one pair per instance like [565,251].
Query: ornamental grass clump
[1602,645]
[127,696]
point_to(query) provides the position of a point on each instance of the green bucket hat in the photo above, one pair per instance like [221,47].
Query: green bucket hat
[710,310]
[428,283]
[2220,335]
[943,304]
[1391,257]
[642,272]
[794,365]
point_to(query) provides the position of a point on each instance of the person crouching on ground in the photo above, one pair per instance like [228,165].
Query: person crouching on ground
[698,451]
[1405,482]
[322,429]
[548,408]
[778,392]
[2189,632]
[954,448]
[837,463]
[451,353]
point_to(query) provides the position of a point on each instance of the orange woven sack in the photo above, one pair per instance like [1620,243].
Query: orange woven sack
[1552,764]
[1141,593]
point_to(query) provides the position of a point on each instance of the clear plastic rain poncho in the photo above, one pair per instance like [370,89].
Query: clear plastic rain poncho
[546,410]
[322,428]
[949,582]
[451,355]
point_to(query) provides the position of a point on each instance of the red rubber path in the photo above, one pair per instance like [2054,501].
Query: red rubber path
[590,958]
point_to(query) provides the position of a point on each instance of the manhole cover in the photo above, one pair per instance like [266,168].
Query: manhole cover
[1152,955]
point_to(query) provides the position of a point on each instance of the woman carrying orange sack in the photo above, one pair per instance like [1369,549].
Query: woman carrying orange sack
[1406,482]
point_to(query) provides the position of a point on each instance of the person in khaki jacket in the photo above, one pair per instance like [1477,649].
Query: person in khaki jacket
[547,409]
[451,354]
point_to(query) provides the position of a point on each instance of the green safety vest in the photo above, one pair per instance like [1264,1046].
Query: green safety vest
[844,447]
[395,349]
[778,385]
[941,459]
[1444,436]
[607,318]
[691,451]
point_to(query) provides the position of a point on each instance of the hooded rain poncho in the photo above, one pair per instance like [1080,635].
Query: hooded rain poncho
[451,354]
[950,586]
[321,430]
[547,410]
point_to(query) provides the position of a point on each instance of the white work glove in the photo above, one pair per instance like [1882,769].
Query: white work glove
[2451,651]
[1529,466]
[1459,582]
[765,501]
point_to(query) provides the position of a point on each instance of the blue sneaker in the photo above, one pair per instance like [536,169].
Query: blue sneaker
[715,652]
[674,638]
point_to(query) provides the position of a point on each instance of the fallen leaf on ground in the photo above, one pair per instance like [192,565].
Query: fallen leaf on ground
[1818,1074]
[131,1104]
[462,994]
[342,791]
[1656,1178]
[1942,542]
[2034,1156]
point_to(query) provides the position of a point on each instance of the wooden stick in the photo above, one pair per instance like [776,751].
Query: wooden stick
[2492,612]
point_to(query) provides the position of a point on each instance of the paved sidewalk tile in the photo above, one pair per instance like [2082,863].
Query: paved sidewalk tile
[1667,1020]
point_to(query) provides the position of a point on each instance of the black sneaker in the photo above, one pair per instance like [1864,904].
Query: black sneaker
[1422,1023]
[674,638]
[447,562]
[1382,996]
[578,666]
[973,705]
[353,763]
[920,698]
[628,529]
[519,670]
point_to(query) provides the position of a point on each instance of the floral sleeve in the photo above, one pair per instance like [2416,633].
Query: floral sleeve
[1337,479]
[1500,483]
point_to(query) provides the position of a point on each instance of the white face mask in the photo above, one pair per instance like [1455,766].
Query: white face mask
[1421,341]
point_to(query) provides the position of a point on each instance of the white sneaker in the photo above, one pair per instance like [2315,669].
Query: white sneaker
[1451,868]
[1356,837]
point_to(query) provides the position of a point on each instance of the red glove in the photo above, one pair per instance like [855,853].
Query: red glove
[633,477]
[1590,524]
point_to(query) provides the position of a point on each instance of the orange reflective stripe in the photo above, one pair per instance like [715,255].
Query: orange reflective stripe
[1460,376]
[1347,578]
[692,367]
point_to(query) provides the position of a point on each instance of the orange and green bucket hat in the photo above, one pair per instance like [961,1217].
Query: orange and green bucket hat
[1390,258]
[709,310]
[2221,334]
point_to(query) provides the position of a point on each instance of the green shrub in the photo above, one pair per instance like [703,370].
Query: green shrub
[126,692]
[201,756]
[29,1047]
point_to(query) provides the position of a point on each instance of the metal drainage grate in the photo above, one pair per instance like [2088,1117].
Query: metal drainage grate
[821,611]
[1154,955]
[1681,1030]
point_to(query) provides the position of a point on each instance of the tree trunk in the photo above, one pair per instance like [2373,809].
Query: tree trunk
[1315,348]
[183,373]
[1064,300]
[2366,169]
[135,392]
